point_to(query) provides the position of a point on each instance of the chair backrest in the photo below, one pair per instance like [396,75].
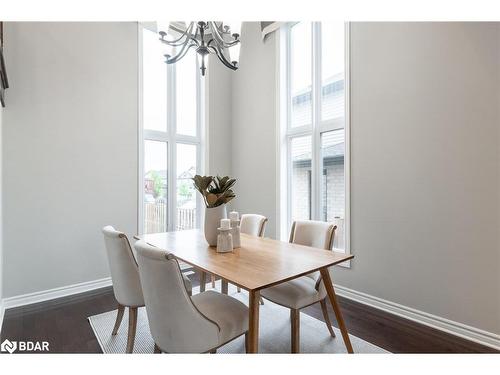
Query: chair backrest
[253,224]
[176,325]
[312,233]
[123,267]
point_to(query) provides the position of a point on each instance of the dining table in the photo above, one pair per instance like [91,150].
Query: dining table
[258,264]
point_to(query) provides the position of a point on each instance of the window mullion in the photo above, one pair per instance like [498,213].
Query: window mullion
[199,135]
[154,135]
[316,141]
[289,79]
[186,139]
[172,148]
[298,132]
[289,180]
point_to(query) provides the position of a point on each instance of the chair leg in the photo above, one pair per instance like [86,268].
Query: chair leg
[295,320]
[213,281]
[203,281]
[238,289]
[157,349]
[132,326]
[261,301]
[246,342]
[119,317]
[327,318]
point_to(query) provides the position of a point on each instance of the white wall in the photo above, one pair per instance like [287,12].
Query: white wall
[218,107]
[425,192]
[425,168]
[254,126]
[69,150]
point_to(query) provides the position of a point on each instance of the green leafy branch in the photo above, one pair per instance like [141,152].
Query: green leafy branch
[215,190]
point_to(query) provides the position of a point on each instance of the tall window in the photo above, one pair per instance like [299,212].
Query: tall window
[314,136]
[172,139]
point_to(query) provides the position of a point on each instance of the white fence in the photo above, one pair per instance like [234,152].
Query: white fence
[186,218]
[155,218]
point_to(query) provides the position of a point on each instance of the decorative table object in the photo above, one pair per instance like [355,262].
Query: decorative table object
[216,193]
[234,217]
[213,217]
[224,239]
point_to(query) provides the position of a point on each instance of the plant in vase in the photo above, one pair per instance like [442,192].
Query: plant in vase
[216,193]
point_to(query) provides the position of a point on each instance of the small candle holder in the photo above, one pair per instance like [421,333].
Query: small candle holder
[235,232]
[234,217]
[224,240]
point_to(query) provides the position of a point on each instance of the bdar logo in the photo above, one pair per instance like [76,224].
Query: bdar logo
[8,346]
[24,346]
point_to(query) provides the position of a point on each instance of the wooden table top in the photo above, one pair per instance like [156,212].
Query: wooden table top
[257,264]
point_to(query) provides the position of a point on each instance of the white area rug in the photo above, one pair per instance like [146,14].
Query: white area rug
[274,332]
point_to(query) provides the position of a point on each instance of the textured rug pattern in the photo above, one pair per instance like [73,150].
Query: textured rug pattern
[274,333]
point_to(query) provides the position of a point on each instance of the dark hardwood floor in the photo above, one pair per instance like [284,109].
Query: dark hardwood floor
[63,323]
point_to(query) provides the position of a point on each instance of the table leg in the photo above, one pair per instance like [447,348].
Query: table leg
[203,281]
[224,286]
[253,322]
[336,308]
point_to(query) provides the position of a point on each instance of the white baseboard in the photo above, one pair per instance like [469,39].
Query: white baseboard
[458,329]
[46,295]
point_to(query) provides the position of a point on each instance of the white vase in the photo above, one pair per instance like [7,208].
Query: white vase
[213,217]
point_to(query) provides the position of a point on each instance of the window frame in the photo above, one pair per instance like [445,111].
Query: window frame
[170,137]
[286,132]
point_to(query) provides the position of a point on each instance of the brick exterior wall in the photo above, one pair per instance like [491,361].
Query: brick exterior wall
[334,195]
[301,186]
[335,191]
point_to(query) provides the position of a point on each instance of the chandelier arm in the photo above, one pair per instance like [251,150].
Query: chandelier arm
[221,57]
[218,45]
[189,37]
[218,37]
[215,32]
[188,43]
[181,54]
[195,41]
[175,42]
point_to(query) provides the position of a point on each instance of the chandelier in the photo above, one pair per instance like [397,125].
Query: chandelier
[206,38]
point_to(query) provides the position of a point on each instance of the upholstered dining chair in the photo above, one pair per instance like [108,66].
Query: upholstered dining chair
[309,289]
[126,282]
[253,224]
[180,323]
